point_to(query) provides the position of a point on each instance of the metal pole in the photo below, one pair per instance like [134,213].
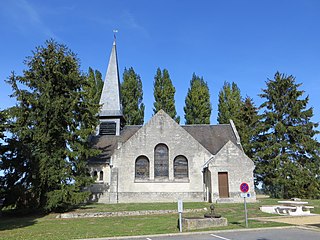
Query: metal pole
[245,211]
[180,221]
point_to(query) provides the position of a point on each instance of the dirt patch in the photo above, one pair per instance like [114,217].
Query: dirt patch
[301,220]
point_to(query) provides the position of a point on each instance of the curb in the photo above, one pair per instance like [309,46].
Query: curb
[195,233]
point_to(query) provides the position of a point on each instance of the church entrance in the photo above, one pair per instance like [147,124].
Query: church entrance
[223,184]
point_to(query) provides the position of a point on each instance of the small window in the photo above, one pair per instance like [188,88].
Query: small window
[142,168]
[95,174]
[101,176]
[107,128]
[161,161]
[180,167]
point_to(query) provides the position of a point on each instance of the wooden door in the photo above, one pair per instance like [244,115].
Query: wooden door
[223,184]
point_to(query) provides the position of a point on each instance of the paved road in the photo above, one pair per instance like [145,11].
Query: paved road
[265,234]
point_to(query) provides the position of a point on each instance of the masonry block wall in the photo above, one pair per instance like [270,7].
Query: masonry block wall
[239,167]
[164,130]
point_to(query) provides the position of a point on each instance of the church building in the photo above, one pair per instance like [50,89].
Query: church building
[163,161]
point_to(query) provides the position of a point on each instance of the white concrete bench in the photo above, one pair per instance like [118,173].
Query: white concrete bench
[308,207]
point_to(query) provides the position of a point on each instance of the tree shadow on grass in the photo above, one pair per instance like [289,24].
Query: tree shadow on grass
[235,223]
[12,220]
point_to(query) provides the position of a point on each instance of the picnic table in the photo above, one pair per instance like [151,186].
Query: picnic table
[294,208]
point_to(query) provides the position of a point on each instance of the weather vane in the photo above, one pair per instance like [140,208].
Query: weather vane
[114,33]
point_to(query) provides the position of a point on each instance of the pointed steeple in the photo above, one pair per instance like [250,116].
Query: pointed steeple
[110,96]
[111,109]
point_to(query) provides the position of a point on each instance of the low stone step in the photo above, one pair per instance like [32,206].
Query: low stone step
[225,200]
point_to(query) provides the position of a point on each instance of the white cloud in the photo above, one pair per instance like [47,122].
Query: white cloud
[25,18]
[130,21]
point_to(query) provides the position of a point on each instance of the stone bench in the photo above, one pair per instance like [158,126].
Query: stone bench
[202,223]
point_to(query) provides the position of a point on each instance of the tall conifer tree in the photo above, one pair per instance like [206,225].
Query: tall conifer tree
[163,92]
[243,113]
[95,84]
[248,126]
[288,158]
[2,124]
[45,166]
[198,107]
[131,97]
[2,136]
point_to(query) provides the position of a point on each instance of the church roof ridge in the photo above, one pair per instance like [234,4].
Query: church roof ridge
[203,124]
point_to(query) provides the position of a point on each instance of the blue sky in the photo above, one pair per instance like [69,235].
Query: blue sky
[236,41]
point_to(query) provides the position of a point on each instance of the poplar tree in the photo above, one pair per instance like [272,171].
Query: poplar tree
[229,103]
[243,113]
[46,163]
[131,97]
[288,158]
[163,92]
[198,107]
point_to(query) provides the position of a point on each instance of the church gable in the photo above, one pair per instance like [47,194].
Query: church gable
[162,129]
[232,155]
[160,151]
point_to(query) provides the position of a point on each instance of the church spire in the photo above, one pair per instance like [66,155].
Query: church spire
[111,109]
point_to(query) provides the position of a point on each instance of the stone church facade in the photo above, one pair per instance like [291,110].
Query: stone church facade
[163,161]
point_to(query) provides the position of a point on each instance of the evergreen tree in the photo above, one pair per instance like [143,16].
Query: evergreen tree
[2,125]
[163,92]
[198,107]
[243,113]
[248,126]
[131,97]
[2,136]
[288,158]
[95,85]
[46,162]
[229,104]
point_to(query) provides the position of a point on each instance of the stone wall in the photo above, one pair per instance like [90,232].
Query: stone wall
[160,129]
[239,167]
[130,197]
[125,213]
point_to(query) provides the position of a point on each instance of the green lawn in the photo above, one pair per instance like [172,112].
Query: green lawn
[48,227]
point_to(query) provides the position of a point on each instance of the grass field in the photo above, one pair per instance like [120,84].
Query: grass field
[49,227]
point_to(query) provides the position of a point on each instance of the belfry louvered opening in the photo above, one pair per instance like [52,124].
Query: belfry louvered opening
[107,128]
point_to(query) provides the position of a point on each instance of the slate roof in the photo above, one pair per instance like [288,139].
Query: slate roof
[212,137]
[108,143]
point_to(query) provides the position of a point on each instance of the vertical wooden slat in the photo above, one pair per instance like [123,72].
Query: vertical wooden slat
[223,184]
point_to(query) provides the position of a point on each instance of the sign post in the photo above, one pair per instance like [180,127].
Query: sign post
[180,210]
[244,188]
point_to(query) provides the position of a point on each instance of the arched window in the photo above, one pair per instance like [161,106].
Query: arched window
[95,175]
[101,176]
[142,167]
[180,167]
[161,161]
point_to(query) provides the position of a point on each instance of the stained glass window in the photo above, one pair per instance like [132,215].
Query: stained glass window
[180,167]
[142,167]
[161,161]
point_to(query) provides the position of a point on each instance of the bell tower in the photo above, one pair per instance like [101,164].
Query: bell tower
[110,115]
